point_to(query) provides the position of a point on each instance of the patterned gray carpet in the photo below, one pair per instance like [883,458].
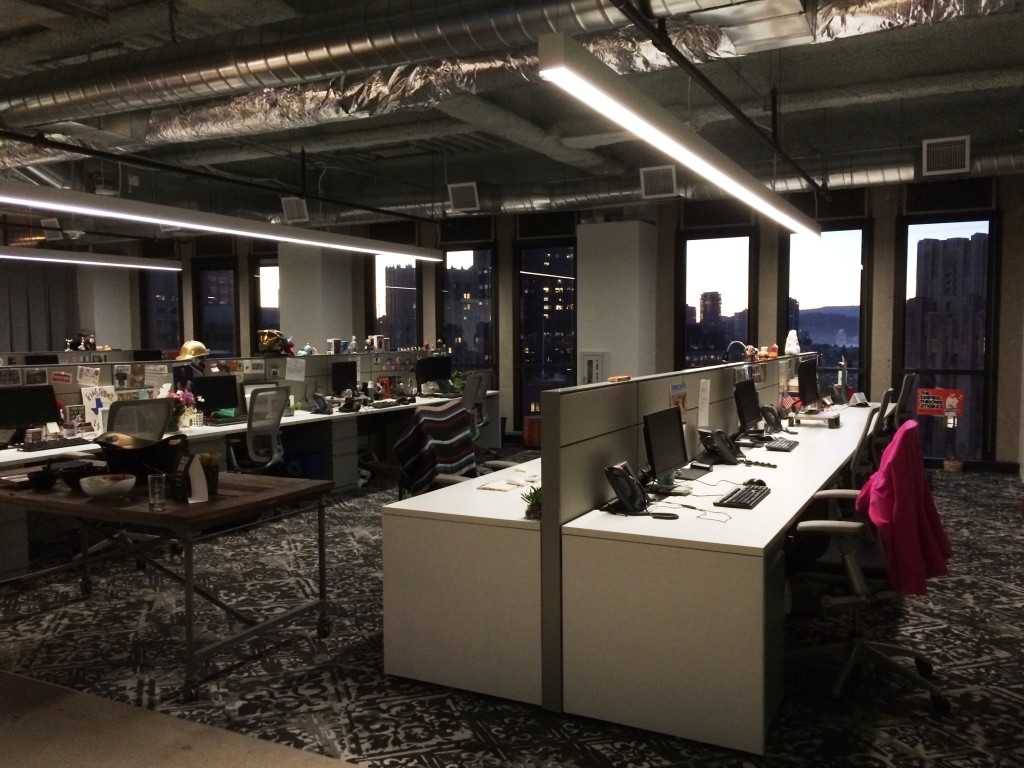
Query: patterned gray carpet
[330,695]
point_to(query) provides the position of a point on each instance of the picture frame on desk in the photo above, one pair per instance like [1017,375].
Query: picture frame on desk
[10,377]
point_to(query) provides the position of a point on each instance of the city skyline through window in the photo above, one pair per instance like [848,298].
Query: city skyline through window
[717,293]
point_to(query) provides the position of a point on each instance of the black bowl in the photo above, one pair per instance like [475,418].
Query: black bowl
[43,480]
[72,476]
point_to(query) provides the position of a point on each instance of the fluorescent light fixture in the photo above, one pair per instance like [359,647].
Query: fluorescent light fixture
[568,65]
[87,259]
[31,196]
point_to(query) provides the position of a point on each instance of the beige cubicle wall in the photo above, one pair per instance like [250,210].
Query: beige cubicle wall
[589,427]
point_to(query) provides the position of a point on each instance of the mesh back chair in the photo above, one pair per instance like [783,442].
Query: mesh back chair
[144,419]
[890,546]
[474,392]
[902,411]
[262,449]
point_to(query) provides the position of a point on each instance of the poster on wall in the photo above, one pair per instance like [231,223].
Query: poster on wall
[96,400]
[10,377]
[940,402]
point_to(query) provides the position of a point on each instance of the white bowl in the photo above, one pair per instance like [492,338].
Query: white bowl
[112,486]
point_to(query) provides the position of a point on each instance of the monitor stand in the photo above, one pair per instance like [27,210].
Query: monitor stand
[831,418]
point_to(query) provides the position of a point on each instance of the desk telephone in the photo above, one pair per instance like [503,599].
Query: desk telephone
[320,405]
[719,448]
[633,499]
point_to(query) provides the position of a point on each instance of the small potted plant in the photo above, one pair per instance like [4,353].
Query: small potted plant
[532,497]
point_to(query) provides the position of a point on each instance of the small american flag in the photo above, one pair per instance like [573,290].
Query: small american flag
[787,402]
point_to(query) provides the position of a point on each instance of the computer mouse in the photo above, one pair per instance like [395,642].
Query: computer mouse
[755,481]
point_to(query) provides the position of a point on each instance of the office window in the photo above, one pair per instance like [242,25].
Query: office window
[716,294]
[468,289]
[824,299]
[396,301]
[948,323]
[161,310]
[268,311]
[216,323]
[547,324]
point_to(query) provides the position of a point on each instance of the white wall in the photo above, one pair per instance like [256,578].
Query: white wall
[616,275]
[105,300]
[316,300]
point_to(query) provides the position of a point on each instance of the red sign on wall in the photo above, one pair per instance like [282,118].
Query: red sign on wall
[940,402]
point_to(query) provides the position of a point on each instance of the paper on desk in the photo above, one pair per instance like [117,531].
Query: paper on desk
[504,485]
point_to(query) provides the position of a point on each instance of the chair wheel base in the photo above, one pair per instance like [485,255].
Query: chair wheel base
[940,705]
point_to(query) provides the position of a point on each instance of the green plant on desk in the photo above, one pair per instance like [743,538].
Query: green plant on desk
[532,497]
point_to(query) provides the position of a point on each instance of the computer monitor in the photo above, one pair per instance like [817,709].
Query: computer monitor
[343,376]
[436,368]
[807,384]
[42,359]
[25,407]
[748,407]
[146,355]
[666,444]
[218,393]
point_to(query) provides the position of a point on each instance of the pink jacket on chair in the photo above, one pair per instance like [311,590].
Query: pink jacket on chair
[899,504]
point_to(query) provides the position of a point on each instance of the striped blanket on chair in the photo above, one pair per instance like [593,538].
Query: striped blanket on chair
[438,440]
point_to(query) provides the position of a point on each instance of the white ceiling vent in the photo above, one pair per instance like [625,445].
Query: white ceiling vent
[464,197]
[51,229]
[295,211]
[659,181]
[941,157]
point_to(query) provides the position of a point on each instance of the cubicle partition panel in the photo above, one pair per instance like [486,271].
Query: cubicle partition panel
[585,429]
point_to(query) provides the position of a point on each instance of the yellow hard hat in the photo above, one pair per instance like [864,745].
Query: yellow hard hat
[192,349]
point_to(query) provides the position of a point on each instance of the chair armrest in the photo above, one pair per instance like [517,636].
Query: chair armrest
[445,479]
[499,464]
[831,527]
[837,493]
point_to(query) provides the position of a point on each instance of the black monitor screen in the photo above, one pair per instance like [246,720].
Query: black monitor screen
[146,355]
[807,383]
[218,393]
[748,407]
[343,376]
[23,407]
[434,368]
[665,443]
[44,359]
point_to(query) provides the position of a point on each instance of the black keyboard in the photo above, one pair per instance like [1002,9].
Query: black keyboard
[781,444]
[744,497]
[227,422]
[56,442]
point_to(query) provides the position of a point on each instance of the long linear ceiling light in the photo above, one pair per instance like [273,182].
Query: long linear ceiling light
[563,62]
[87,259]
[19,193]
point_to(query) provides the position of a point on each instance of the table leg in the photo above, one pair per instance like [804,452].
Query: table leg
[323,627]
[85,579]
[188,563]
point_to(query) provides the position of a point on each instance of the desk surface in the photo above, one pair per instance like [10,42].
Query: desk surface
[13,458]
[800,473]
[471,501]
[238,495]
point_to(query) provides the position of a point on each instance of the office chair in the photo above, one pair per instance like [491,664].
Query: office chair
[902,411]
[474,392]
[262,449]
[890,547]
[436,449]
[881,431]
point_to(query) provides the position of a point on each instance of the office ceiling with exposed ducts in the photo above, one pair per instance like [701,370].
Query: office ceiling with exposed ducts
[428,109]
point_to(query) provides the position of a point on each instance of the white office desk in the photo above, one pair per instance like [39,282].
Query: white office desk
[462,588]
[675,626]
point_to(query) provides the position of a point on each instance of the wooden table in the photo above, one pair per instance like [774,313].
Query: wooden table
[238,498]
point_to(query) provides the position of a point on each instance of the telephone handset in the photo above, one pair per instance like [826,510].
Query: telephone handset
[719,448]
[633,499]
[772,418]
[320,405]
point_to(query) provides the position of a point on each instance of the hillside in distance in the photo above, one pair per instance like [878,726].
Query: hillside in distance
[831,325]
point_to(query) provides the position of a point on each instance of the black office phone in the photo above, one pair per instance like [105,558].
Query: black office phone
[632,498]
[718,448]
